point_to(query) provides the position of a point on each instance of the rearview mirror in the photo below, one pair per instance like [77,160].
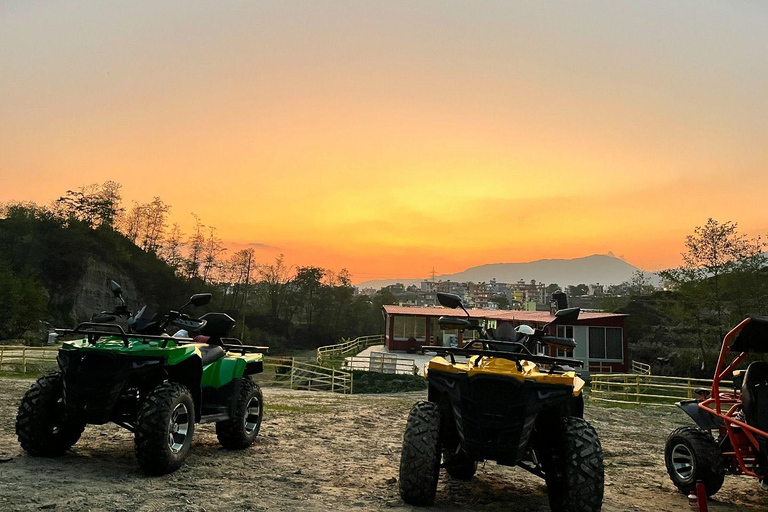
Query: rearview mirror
[200,299]
[566,316]
[449,300]
[116,289]
[448,323]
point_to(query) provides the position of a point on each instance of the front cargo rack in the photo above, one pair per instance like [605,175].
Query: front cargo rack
[525,354]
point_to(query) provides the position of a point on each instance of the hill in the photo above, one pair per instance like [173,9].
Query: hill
[71,264]
[597,268]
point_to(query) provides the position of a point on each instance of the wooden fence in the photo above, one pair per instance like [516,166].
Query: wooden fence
[641,368]
[20,359]
[292,374]
[646,389]
[380,362]
[286,372]
[335,354]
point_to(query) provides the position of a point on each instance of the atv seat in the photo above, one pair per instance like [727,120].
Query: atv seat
[209,353]
[754,395]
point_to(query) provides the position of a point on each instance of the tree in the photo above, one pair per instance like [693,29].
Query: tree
[212,249]
[95,205]
[196,244]
[23,301]
[552,288]
[171,251]
[713,250]
[501,301]
[578,290]
[274,279]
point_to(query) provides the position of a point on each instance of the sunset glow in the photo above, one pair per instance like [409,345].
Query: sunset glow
[393,137]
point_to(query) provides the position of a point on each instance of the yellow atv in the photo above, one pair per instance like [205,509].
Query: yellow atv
[507,403]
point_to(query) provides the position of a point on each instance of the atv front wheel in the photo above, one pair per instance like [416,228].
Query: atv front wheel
[572,460]
[420,458]
[691,456]
[41,423]
[239,432]
[165,426]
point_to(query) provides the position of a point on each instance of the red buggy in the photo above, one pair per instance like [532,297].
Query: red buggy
[731,436]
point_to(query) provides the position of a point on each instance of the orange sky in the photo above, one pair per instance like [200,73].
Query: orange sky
[393,137]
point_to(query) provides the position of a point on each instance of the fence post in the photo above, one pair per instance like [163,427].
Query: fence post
[333,380]
[637,396]
[690,390]
[290,384]
[24,360]
[1,358]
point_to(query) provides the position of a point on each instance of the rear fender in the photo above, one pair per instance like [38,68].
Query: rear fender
[702,419]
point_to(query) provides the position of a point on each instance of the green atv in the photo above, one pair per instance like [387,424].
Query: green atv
[508,403]
[148,382]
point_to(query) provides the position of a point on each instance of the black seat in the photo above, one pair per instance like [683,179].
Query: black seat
[210,353]
[754,395]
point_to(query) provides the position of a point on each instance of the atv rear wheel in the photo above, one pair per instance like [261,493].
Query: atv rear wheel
[459,466]
[239,432]
[165,426]
[41,423]
[691,456]
[573,466]
[420,458]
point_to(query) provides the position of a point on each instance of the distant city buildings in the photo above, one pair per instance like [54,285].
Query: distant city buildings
[521,295]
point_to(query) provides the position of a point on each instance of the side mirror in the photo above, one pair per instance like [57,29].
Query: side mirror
[566,316]
[449,300]
[116,289]
[200,299]
[449,323]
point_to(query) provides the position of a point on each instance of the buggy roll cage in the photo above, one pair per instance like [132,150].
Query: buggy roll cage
[745,335]
[116,330]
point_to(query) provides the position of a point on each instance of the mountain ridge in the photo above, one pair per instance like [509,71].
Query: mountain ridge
[596,268]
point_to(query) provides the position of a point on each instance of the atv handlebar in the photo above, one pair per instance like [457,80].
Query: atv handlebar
[512,356]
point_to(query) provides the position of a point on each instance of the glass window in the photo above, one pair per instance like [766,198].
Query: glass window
[614,347]
[597,342]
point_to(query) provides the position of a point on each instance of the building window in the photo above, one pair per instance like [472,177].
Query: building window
[564,331]
[606,343]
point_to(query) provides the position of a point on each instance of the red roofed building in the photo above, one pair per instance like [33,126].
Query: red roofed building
[600,340]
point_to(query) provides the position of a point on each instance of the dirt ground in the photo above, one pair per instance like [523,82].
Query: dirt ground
[319,451]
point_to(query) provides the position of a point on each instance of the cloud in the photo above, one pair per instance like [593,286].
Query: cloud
[260,245]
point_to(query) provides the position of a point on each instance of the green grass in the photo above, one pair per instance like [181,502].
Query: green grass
[371,382]
[15,375]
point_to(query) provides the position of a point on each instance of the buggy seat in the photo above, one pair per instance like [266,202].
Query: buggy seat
[754,395]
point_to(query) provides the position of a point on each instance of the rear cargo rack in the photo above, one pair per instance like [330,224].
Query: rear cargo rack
[94,331]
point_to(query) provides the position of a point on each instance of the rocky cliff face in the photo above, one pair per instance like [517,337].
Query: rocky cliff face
[93,294]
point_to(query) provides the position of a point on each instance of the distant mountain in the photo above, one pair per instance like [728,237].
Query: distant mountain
[598,268]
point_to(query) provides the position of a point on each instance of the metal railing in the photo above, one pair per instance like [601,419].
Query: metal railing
[292,374]
[21,359]
[641,368]
[330,354]
[645,389]
[379,362]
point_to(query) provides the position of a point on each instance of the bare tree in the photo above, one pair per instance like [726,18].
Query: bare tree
[196,244]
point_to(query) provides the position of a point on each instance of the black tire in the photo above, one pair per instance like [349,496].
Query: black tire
[165,426]
[691,456]
[459,466]
[239,432]
[420,458]
[41,423]
[572,459]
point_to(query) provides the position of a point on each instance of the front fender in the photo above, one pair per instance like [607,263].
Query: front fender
[702,419]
